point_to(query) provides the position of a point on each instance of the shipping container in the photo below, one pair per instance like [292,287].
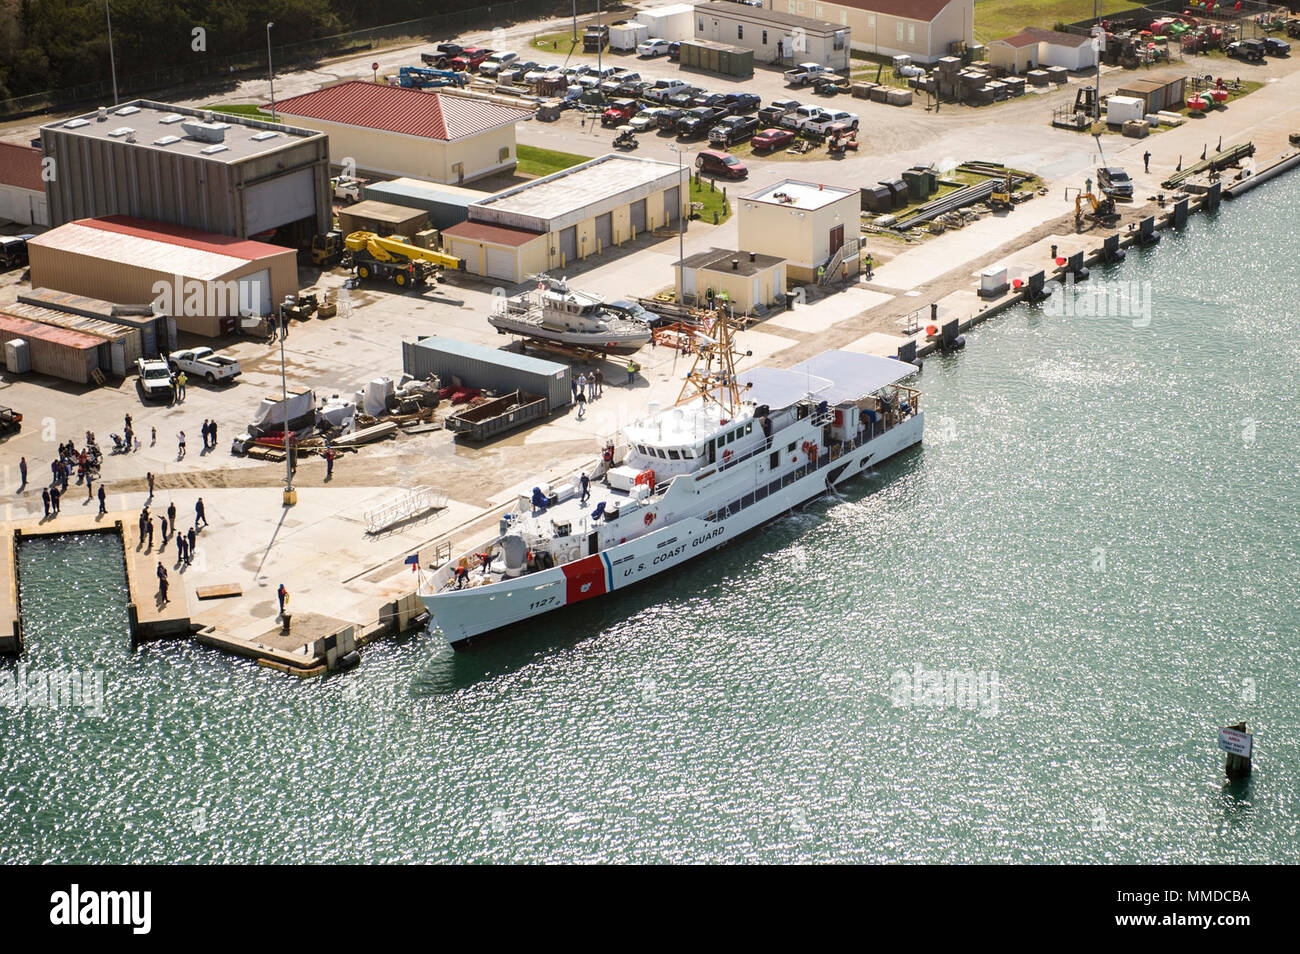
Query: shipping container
[476,366]
[124,344]
[157,332]
[69,355]
[445,205]
[717,58]
[498,416]
[382,218]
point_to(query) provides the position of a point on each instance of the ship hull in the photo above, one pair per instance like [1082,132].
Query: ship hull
[570,339]
[465,615]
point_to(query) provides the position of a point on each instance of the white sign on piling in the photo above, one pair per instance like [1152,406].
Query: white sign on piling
[1236,742]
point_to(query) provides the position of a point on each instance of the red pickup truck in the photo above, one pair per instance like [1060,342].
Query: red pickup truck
[470,58]
[619,112]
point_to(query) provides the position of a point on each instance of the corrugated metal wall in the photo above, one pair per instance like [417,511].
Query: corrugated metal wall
[426,357]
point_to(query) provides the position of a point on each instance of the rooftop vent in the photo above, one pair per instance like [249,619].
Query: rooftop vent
[128,110]
[212,150]
[102,113]
[262,136]
[171,118]
[122,131]
[205,131]
[166,140]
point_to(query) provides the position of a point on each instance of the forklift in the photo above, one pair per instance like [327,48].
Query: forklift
[327,248]
[1000,200]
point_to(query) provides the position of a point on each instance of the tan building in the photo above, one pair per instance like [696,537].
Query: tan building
[809,225]
[923,29]
[569,215]
[745,279]
[205,281]
[774,36]
[1032,48]
[397,131]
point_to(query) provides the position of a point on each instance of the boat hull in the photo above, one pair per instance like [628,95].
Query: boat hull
[464,615]
[571,339]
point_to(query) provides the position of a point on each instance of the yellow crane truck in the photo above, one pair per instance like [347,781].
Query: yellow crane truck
[393,258]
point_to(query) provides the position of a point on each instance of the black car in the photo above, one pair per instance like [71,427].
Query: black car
[668,117]
[634,90]
[733,129]
[698,121]
[674,51]
[742,102]
[11,422]
[1275,47]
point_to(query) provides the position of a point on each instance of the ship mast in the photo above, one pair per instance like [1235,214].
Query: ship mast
[713,372]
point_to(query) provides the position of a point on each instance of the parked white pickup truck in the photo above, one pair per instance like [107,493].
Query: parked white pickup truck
[805,73]
[155,379]
[204,363]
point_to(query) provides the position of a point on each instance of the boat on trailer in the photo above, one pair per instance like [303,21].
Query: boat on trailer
[736,451]
[553,312]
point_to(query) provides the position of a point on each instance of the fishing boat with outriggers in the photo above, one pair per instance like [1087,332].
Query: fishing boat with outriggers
[553,312]
[736,450]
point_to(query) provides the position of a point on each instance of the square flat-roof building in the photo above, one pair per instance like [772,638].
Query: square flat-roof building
[747,280]
[400,131]
[552,221]
[775,36]
[809,225]
[221,173]
[205,281]
[1033,47]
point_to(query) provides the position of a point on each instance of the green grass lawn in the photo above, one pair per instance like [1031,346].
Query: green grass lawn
[542,162]
[712,199]
[558,45]
[243,109]
[995,19]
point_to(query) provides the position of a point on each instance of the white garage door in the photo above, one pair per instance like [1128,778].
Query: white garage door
[255,293]
[277,202]
[502,263]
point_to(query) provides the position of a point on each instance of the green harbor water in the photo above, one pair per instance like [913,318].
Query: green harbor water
[1094,554]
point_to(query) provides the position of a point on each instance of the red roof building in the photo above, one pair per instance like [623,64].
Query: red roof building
[397,131]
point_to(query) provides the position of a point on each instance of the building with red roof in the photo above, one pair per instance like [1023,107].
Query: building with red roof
[204,280]
[22,190]
[399,131]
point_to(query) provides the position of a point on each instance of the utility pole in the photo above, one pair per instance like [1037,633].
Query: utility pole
[112,63]
[1096,16]
[598,43]
[290,495]
[575,21]
[270,70]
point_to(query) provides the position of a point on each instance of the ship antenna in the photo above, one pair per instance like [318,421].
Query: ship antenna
[713,372]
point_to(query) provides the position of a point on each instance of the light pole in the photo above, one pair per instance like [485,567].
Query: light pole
[290,495]
[270,70]
[598,43]
[575,21]
[112,63]
[681,224]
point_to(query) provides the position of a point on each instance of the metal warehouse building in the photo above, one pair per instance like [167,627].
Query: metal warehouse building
[221,173]
[445,204]
[46,349]
[549,222]
[476,366]
[399,131]
[205,281]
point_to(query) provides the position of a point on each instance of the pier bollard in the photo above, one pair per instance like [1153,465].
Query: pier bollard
[1235,737]
[285,619]
[1213,196]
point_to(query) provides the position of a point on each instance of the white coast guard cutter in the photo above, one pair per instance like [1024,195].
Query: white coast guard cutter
[734,452]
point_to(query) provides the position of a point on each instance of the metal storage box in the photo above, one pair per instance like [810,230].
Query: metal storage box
[479,367]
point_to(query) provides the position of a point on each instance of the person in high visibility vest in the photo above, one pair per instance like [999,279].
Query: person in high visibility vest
[632,369]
